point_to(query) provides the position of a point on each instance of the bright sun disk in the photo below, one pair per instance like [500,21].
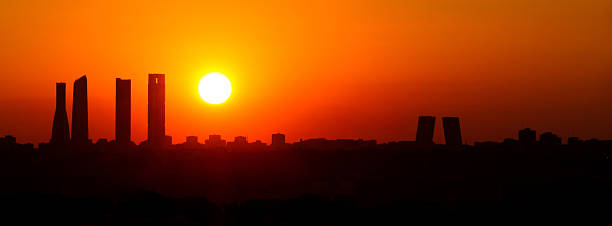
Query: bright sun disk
[214,88]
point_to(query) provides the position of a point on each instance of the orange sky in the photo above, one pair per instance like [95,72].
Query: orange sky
[335,69]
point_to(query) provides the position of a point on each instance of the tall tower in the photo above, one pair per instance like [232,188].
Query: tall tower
[452,130]
[80,128]
[123,111]
[60,133]
[425,130]
[157,109]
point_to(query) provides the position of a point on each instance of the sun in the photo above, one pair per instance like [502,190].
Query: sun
[215,88]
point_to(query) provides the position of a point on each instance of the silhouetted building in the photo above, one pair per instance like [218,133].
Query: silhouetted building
[425,130]
[258,145]
[102,141]
[123,111]
[278,139]
[8,139]
[215,141]
[510,141]
[574,141]
[527,136]
[9,142]
[488,145]
[192,140]
[80,127]
[60,133]
[322,144]
[549,138]
[452,130]
[240,140]
[157,109]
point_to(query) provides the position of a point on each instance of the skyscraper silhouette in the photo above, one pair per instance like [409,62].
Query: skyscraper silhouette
[425,130]
[157,109]
[60,133]
[80,128]
[123,111]
[452,130]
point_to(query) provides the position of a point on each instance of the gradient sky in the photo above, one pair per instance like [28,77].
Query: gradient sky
[335,69]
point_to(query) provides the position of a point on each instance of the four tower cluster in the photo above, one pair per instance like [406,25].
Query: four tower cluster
[123,101]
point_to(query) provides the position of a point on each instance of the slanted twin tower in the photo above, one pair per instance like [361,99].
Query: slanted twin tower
[452,130]
[80,129]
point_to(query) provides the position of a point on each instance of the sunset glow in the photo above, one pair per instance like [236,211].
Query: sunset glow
[334,69]
[304,112]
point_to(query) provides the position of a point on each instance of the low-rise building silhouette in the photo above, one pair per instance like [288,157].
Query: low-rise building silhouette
[9,142]
[527,136]
[278,139]
[574,141]
[8,139]
[191,140]
[102,141]
[322,144]
[240,140]
[549,138]
[215,141]
[258,145]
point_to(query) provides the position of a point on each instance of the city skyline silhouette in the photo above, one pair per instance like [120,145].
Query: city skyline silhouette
[318,112]
[156,120]
[405,133]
